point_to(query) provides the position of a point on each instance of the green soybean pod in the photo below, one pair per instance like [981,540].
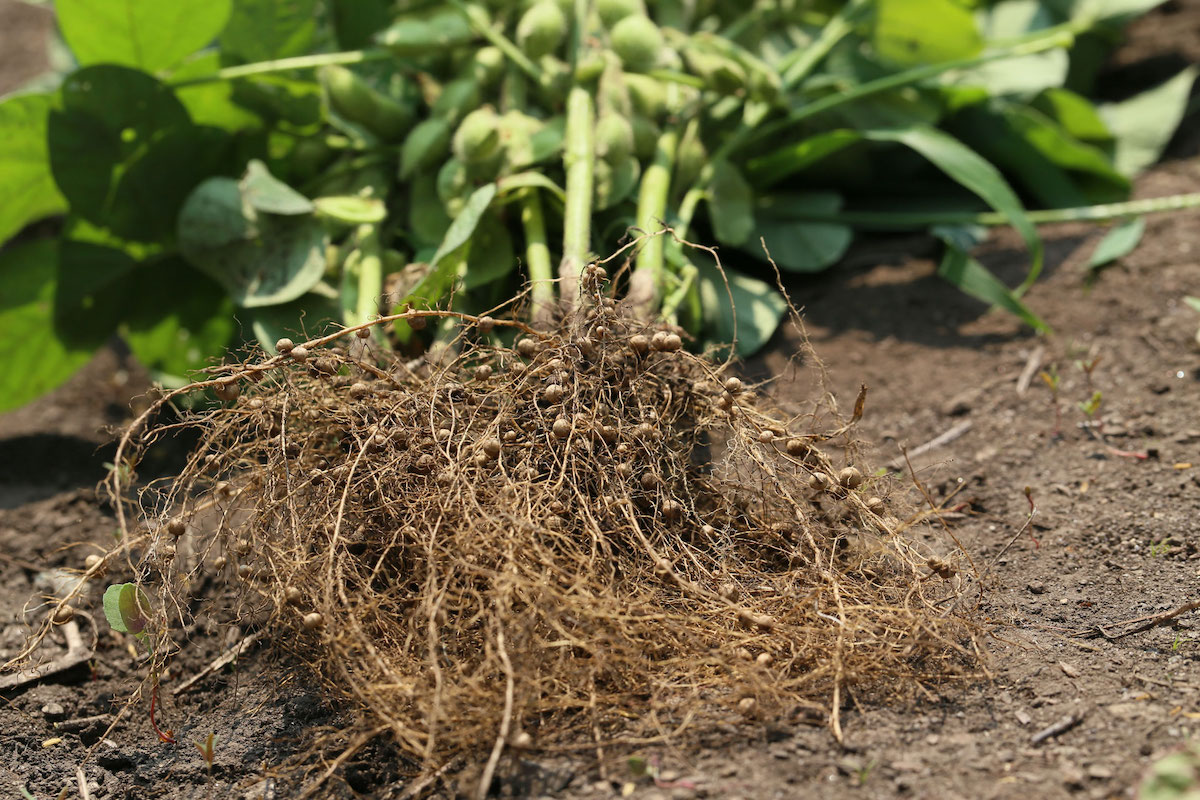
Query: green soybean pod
[541,29]
[426,145]
[354,99]
[428,31]
[457,98]
[645,137]
[613,11]
[614,138]
[613,183]
[638,42]
[555,83]
[478,136]
[649,95]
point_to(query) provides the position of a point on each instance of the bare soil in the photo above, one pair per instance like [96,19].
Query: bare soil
[1114,539]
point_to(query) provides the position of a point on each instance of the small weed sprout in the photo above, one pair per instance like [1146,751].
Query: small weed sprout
[1050,377]
[208,751]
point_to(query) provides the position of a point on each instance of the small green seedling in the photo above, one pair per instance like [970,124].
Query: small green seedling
[1173,777]
[128,611]
[1050,377]
[1092,404]
[208,751]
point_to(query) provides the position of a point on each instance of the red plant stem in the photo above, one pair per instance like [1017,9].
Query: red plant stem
[163,736]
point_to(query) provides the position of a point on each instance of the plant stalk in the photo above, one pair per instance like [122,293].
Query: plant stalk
[537,258]
[796,67]
[370,275]
[646,283]
[1104,212]
[481,25]
[286,64]
[578,155]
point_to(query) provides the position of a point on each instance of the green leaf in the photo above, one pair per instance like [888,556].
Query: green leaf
[1193,303]
[971,277]
[260,258]
[110,117]
[32,359]
[307,316]
[1113,11]
[1074,114]
[1021,75]
[93,292]
[1145,123]
[261,30]
[730,204]
[491,256]
[509,185]
[127,609]
[1118,242]
[280,98]
[355,22]
[752,317]
[794,244]
[973,172]
[211,103]
[264,192]
[909,32]
[179,319]
[452,252]
[770,169]
[26,184]
[351,210]
[147,34]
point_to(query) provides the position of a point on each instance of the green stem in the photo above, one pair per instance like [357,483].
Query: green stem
[537,256]
[801,61]
[285,64]
[482,25]
[579,154]
[885,220]
[370,274]
[647,281]
[1052,38]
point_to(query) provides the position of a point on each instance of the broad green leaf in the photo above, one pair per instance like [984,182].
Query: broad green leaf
[971,277]
[351,210]
[1118,242]
[753,316]
[266,193]
[355,22]
[26,184]
[211,103]
[463,227]
[425,146]
[1014,18]
[794,244]
[262,30]
[427,219]
[974,173]
[179,320]
[770,169]
[93,292]
[1145,123]
[148,34]
[303,318]
[127,609]
[909,32]
[491,256]
[110,117]
[32,359]
[730,204]
[260,258]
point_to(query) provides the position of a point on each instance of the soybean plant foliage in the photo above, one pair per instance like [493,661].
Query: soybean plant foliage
[231,170]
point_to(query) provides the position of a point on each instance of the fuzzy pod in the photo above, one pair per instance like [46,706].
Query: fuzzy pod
[720,73]
[478,137]
[637,41]
[356,101]
[430,31]
[542,29]
[590,67]
[613,11]
[648,95]
[645,137]
[486,67]
[426,145]
[614,182]
[555,83]
[690,158]
[614,138]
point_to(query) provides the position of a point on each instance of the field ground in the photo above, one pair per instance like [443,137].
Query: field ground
[1116,540]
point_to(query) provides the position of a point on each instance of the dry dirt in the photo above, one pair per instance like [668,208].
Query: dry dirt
[1114,538]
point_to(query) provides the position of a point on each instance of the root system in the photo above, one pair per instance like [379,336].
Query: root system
[587,536]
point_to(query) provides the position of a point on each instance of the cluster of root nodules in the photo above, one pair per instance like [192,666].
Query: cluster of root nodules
[592,535]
